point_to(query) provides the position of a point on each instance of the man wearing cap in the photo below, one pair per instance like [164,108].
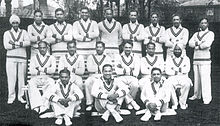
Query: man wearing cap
[61,34]
[177,68]
[38,31]
[15,41]
[42,66]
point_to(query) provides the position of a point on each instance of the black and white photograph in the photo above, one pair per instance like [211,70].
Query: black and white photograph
[109,63]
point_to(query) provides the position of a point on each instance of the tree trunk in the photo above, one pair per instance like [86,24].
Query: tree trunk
[8,7]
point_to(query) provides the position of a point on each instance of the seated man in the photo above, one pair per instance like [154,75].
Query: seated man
[74,63]
[177,68]
[128,68]
[65,97]
[148,62]
[109,92]
[154,96]
[42,65]
[94,66]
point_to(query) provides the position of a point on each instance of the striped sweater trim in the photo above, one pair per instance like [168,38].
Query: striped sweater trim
[18,57]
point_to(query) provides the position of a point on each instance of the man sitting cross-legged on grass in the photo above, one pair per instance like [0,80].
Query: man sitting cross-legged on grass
[109,93]
[65,97]
[154,96]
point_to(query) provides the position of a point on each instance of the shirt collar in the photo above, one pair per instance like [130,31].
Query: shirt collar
[180,27]
[123,54]
[136,23]
[12,30]
[157,26]
[64,23]
[42,24]
[69,56]
[60,83]
[41,56]
[113,20]
[86,22]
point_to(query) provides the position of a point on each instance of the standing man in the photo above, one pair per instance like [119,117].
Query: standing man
[65,97]
[61,34]
[42,66]
[108,92]
[15,42]
[156,34]
[135,32]
[201,42]
[74,63]
[148,62]
[85,31]
[95,62]
[176,34]
[38,31]
[177,68]
[110,33]
[128,68]
[154,96]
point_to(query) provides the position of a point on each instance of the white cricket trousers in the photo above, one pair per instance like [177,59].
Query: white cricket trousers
[15,71]
[202,82]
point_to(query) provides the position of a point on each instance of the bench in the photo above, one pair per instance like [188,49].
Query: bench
[55,77]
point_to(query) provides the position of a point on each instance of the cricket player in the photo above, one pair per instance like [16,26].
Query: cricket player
[128,68]
[135,32]
[148,62]
[38,31]
[65,97]
[61,34]
[110,32]
[177,68]
[201,41]
[156,34]
[74,63]
[95,62]
[42,67]
[15,42]
[109,93]
[85,32]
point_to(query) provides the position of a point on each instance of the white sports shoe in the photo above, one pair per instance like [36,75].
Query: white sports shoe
[183,106]
[67,120]
[193,98]
[146,116]
[157,116]
[135,105]
[130,107]
[59,121]
[89,108]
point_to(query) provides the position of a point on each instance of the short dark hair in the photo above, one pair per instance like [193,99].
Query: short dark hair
[71,42]
[155,68]
[106,65]
[65,70]
[133,10]
[177,15]
[84,8]
[204,18]
[38,10]
[43,42]
[125,41]
[108,8]
[59,9]
[100,42]
[150,43]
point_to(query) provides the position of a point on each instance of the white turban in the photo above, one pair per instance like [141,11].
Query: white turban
[14,18]
[180,45]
